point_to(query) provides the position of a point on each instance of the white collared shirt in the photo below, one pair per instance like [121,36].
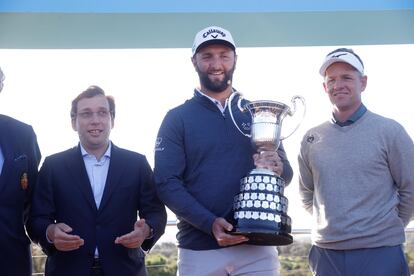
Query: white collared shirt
[97,172]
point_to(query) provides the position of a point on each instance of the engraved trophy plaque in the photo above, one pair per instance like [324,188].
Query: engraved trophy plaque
[260,208]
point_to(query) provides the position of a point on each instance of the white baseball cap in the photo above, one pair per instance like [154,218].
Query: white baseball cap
[212,35]
[342,55]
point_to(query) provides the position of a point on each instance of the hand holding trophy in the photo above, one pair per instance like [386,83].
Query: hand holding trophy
[260,208]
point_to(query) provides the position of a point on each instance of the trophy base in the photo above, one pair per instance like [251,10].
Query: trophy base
[258,237]
[260,210]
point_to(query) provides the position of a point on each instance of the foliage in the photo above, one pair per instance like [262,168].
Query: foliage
[159,265]
[167,249]
[409,251]
[162,259]
[293,258]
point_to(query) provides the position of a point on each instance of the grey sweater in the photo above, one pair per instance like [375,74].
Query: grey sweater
[358,182]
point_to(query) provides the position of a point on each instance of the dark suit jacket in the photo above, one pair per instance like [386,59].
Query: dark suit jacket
[21,159]
[64,194]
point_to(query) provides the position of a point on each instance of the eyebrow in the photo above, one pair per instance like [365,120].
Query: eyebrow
[342,75]
[90,109]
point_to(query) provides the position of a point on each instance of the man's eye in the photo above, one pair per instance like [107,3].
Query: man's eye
[86,114]
[103,113]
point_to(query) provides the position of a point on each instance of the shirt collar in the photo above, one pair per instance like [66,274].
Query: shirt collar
[107,153]
[216,102]
[353,118]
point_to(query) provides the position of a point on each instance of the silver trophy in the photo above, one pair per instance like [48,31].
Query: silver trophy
[260,208]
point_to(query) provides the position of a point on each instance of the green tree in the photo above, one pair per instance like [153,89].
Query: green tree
[159,265]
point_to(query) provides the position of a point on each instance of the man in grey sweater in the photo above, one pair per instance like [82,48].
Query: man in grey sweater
[357,179]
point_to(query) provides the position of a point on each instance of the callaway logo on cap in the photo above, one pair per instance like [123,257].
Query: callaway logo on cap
[212,35]
[342,55]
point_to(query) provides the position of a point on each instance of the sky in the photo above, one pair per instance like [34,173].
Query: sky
[146,83]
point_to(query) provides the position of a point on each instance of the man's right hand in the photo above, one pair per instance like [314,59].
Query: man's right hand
[58,235]
[220,229]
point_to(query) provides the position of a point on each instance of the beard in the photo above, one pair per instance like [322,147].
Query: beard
[216,86]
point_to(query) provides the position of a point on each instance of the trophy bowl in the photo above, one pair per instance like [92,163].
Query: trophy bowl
[260,208]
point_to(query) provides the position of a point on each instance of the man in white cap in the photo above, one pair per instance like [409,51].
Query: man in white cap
[357,179]
[200,158]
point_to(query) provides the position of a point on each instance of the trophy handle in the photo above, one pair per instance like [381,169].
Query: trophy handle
[293,111]
[242,109]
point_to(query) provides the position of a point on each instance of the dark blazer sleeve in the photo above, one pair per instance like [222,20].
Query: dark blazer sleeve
[151,209]
[34,157]
[43,209]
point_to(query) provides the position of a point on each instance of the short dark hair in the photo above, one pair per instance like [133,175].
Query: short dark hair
[91,92]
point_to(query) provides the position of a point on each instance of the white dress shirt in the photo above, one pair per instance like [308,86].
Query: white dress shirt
[97,172]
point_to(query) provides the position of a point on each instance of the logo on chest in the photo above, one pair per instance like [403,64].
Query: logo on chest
[158,143]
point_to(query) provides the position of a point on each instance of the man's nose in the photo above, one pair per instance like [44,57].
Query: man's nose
[338,84]
[95,118]
[216,62]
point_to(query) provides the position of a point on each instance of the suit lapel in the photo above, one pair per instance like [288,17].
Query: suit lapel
[114,173]
[76,166]
[6,143]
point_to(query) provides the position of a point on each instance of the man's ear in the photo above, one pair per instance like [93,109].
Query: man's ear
[364,80]
[73,121]
[193,61]
[324,87]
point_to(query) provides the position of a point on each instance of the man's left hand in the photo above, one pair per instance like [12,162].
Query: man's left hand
[220,226]
[135,238]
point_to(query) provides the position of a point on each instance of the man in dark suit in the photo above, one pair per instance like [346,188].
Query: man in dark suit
[19,160]
[86,201]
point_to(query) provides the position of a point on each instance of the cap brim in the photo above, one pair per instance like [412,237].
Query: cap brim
[328,63]
[213,42]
